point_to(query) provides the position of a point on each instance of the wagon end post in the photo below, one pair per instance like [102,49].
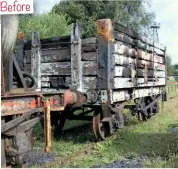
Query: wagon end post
[36,59]
[76,63]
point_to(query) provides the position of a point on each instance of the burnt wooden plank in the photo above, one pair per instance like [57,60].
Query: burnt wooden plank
[124,50]
[45,84]
[89,48]
[127,61]
[57,55]
[126,82]
[56,68]
[123,38]
[122,71]
[91,82]
[133,34]
[130,52]
[150,73]
[64,68]
[50,55]
[89,56]
[89,68]
[88,82]
[120,95]
[137,43]
[52,40]
[54,81]
[159,66]
[86,41]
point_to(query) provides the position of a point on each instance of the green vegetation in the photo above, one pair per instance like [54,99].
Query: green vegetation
[86,13]
[76,147]
[49,25]
[172,69]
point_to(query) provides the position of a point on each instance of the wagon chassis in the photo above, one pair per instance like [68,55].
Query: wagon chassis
[24,107]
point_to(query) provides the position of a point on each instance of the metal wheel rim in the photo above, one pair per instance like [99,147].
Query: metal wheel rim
[98,128]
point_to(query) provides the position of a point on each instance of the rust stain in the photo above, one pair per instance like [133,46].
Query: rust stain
[104,28]
[47,129]
[18,103]
[21,36]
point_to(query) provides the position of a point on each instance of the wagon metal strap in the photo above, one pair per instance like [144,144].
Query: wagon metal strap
[152,103]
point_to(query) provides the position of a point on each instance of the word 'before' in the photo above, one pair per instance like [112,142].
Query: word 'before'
[16,6]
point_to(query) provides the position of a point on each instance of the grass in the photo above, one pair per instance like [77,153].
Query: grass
[76,147]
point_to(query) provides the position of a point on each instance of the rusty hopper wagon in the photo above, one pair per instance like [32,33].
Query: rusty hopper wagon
[99,75]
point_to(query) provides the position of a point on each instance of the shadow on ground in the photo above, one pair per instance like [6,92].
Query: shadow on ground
[78,134]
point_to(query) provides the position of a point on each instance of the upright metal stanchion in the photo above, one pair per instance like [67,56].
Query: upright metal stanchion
[47,125]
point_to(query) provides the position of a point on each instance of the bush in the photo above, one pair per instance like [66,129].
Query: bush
[48,25]
[176,79]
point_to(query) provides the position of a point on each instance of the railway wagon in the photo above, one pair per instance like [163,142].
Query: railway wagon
[99,75]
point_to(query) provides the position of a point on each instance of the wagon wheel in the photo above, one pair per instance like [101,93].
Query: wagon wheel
[100,129]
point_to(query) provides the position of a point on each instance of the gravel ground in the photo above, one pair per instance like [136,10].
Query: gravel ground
[130,162]
[173,130]
[38,157]
[125,164]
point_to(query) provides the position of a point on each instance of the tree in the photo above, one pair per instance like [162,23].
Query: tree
[176,66]
[49,25]
[170,67]
[175,71]
[130,13]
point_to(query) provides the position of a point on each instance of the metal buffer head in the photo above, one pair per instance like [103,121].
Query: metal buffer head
[73,98]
